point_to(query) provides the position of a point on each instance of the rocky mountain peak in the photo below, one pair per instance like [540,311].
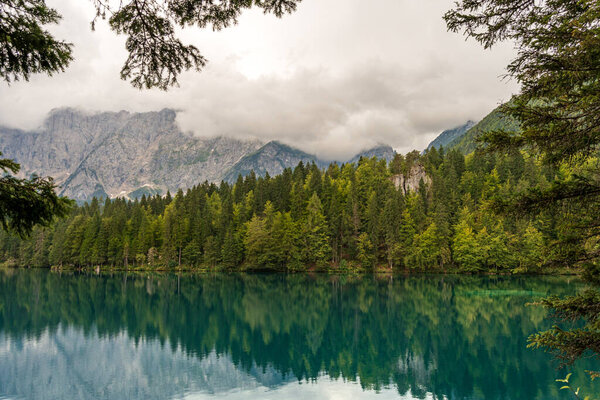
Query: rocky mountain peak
[129,154]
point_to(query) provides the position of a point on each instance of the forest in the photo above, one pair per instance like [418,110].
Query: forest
[349,217]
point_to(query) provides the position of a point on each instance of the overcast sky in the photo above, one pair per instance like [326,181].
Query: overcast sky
[333,78]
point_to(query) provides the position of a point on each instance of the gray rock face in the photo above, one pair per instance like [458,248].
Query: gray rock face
[412,180]
[130,154]
[116,153]
[272,158]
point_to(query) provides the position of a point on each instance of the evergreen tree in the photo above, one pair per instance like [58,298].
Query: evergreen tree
[212,251]
[465,248]
[316,239]
[531,254]
[255,241]
[406,236]
[558,67]
[25,203]
[366,251]
[425,251]
[233,250]
[206,226]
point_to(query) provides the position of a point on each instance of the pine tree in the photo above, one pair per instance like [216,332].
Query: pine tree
[531,255]
[92,227]
[390,223]
[212,251]
[233,250]
[286,241]
[406,236]
[425,252]
[56,256]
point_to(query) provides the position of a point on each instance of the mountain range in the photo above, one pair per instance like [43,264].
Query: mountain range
[127,154]
[123,154]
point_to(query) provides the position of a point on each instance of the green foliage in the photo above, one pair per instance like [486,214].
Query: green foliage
[532,250]
[366,255]
[315,238]
[493,122]
[308,218]
[466,251]
[156,55]
[256,242]
[25,46]
[558,67]
[427,250]
[25,203]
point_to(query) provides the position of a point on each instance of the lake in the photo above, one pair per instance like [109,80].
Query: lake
[246,336]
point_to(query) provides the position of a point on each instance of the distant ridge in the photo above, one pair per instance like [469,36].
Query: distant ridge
[123,154]
[464,137]
[275,156]
[272,158]
[450,135]
[383,152]
[496,120]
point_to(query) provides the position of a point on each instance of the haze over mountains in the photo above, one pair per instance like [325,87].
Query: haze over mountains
[129,154]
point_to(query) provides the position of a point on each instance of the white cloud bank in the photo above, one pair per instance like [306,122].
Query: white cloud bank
[332,79]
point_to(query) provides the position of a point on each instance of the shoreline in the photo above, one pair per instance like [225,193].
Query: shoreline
[310,271]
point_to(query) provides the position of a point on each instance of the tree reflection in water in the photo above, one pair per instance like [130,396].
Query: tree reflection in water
[127,335]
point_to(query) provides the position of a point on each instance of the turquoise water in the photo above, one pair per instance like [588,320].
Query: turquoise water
[126,336]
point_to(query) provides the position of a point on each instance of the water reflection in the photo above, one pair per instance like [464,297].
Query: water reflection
[68,364]
[273,336]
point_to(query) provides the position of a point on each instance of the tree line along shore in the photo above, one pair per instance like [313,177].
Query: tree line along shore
[353,217]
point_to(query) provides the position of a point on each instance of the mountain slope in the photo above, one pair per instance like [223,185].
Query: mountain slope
[495,120]
[382,152]
[131,154]
[450,135]
[114,154]
[273,158]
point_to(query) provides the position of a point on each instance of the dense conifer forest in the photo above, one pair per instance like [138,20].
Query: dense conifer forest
[346,217]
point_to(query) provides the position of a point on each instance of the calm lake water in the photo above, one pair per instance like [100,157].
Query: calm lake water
[125,336]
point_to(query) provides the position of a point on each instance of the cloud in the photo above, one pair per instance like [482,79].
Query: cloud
[334,78]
